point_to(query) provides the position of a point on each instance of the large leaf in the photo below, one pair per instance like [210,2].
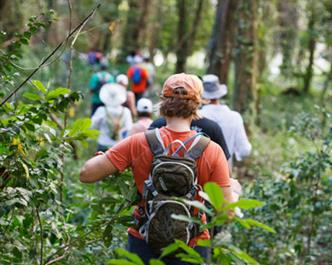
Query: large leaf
[215,194]
[79,126]
[198,205]
[243,256]
[121,262]
[131,256]
[185,218]
[260,225]
[245,204]
[39,85]
[31,96]
[156,262]
[169,249]
[57,92]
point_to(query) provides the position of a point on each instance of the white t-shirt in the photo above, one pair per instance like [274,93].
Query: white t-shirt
[232,126]
[100,122]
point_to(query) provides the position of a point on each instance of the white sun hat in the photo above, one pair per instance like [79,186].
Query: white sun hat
[212,87]
[113,95]
[144,105]
[122,79]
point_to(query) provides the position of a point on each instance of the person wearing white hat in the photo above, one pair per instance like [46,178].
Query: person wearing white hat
[112,120]
[130,103]
[230,121]
[144,112]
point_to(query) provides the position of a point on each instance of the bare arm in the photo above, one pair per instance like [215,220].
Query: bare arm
[96,169]
[228,194]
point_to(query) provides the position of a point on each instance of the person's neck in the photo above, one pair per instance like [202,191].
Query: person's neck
[214,102]
[178,124]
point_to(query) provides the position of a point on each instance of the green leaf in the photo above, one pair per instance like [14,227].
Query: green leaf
[245,204]
[57,92]
[169,249]
[39,85]
[185,218]
[26,169]
[215,194]
[79,126]
[199,205]
[243,256]
[156,262]
[121,262]
[204,243]
[131,256]
[31,96]
[260,225]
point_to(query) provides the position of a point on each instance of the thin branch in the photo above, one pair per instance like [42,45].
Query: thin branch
[50,55]
[41,237]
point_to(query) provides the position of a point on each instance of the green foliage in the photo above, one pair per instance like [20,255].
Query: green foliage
[297,204]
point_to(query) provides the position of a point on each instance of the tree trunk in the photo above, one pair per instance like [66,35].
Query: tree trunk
[311,48]
[155,27]
[130,36]
[195,25]
[182,49]
[288,21]
[245,94]
[222,40]
[186,36]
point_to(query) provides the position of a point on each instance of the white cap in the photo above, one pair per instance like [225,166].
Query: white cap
[122,80]
[144,105]
[113,95]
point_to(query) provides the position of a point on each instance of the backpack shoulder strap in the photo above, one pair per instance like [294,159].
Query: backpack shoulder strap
[155,142]
[196,150]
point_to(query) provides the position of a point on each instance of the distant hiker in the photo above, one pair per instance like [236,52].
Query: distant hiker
[174,149]
[230,121]
[94,57]
[139,80]
[96,82]
[144,113]
[134,57]
[130,101]
[112,120]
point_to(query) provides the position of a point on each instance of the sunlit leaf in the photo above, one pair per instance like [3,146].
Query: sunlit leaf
[245,204]
[131,256]
[215,194]
[31,96]
[57,92]
[39,85]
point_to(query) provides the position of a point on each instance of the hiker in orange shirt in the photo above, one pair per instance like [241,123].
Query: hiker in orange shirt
[139,80]
[181,97]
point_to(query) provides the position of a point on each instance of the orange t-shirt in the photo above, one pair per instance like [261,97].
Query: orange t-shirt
[135,152]
[141,87]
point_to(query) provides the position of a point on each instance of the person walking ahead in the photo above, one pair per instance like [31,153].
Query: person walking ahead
[97,80]
[181,96]
[230,121]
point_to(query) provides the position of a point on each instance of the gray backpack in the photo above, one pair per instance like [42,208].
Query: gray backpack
[172,177]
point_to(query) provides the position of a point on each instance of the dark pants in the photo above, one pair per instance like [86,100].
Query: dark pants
[141,248]
[138,96]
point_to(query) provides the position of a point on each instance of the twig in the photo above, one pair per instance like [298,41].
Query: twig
[50,55]
[41,236]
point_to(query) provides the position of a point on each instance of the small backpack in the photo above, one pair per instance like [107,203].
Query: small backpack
[115,123]
[172,177]
[137,76]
